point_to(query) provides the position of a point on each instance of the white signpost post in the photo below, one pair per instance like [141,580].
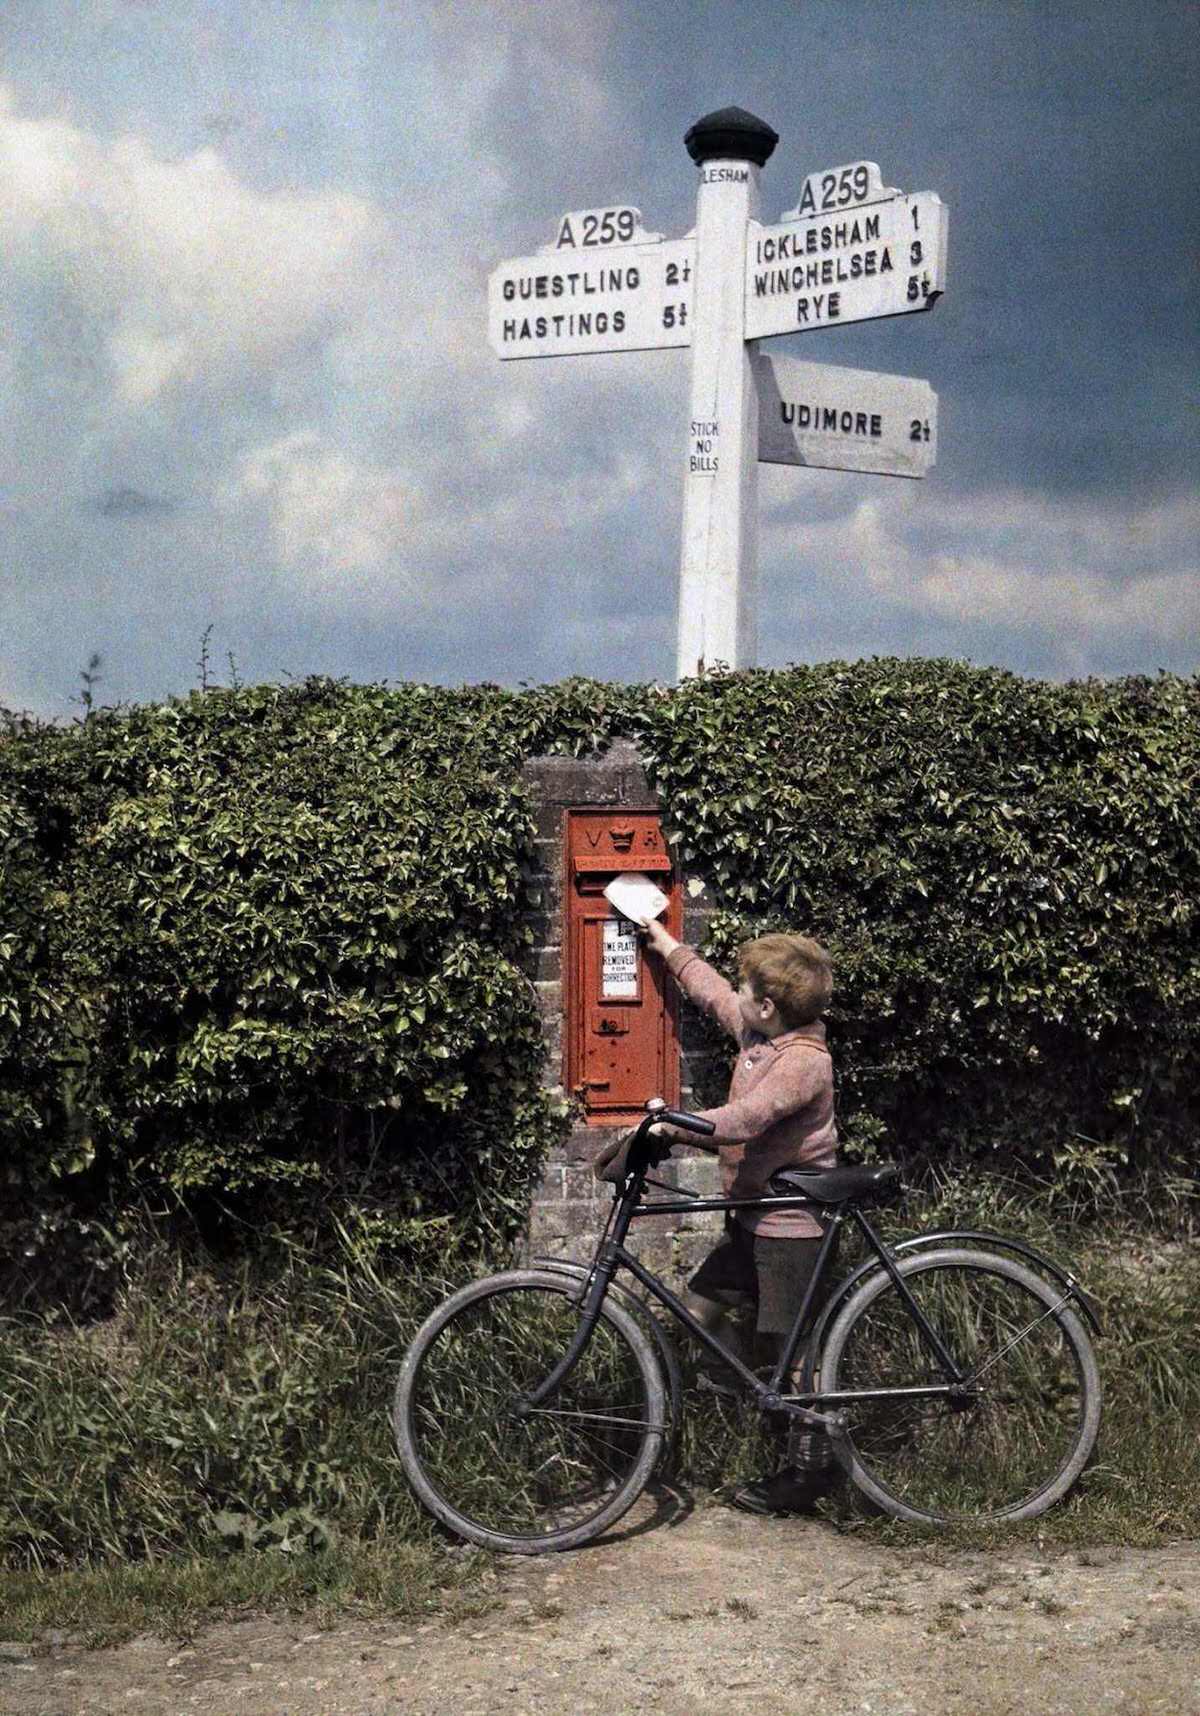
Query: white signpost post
[851,250]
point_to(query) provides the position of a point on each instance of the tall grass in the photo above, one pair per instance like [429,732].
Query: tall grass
[218,1408]
[1134,1248]
[226,1409]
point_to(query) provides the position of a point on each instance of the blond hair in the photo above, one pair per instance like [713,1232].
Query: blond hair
[793,971]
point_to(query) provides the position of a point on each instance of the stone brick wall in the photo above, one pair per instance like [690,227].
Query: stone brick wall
[572,1206]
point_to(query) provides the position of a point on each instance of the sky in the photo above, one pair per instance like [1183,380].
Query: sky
[248,395]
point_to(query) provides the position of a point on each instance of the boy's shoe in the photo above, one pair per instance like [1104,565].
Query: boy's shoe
[790,1490]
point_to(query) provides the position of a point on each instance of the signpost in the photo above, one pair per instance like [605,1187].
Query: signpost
[572,297]
[884,259]
[851,250]
[844,419]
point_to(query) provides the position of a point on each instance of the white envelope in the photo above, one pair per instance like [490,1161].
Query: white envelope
[636,897]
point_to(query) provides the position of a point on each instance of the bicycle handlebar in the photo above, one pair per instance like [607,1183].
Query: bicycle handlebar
[673,1117]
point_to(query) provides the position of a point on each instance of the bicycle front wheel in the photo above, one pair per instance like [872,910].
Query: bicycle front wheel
[665,1355]
[1012,1439]
[505,1476]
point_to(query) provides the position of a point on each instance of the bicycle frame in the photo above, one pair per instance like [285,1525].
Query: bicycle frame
[908,1347]
[807,1405]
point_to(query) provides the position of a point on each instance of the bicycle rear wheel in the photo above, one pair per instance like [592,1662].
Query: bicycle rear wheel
[546,1479]
[1013,1440]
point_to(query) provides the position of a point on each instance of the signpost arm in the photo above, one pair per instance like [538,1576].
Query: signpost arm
[717,594]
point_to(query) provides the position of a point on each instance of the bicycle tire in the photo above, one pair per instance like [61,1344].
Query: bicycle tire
[664,1347]
[549,1481]
[1008,1449]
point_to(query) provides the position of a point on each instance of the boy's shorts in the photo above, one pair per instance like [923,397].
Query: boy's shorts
[773,1274]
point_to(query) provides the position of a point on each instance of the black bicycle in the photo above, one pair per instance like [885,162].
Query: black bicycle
[953,1372]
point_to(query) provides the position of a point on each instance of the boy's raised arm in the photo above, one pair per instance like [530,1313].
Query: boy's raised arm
[703,986]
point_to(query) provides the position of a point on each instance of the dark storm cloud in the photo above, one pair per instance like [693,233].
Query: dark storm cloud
[1064,139]
[126,502]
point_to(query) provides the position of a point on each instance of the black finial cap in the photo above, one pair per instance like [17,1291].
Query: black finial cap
[730,135]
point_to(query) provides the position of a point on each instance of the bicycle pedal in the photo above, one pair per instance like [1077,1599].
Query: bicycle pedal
[717,1385]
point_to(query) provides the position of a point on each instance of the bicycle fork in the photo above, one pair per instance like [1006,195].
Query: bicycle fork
[602,1274]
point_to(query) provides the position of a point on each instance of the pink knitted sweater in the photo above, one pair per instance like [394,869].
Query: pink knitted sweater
[780,1108]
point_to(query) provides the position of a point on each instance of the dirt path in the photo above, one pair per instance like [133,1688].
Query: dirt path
[713,1611]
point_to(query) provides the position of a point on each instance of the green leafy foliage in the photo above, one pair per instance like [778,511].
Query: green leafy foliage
[280,932]
[266,945]
[1006,871]
[265,949]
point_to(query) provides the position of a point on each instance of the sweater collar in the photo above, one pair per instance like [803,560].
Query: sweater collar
[814,1033]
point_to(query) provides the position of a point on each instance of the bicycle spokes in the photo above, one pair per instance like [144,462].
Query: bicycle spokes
[510,1467]
[996,1442]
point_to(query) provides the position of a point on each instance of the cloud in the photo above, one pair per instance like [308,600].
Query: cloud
[309,376]
[284,331]
[329,517]
[1011,561]
[192,274]
[126,502]
[538,75]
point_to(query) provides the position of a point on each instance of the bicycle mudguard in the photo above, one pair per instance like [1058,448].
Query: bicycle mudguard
[663,1344]
[947,1236]
[1031,1254]
[582,1272]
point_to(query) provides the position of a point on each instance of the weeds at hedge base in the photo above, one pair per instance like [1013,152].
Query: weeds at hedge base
[332,1333]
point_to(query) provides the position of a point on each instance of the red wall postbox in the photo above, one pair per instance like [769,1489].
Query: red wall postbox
[621,1024]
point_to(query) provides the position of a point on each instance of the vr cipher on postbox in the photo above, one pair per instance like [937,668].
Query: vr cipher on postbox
[622,1037]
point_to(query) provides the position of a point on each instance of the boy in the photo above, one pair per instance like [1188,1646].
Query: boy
[779,1114]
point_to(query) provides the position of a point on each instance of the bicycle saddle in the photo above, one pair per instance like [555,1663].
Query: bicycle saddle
[839,1185]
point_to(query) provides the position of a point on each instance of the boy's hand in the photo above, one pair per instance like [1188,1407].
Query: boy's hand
[658,938]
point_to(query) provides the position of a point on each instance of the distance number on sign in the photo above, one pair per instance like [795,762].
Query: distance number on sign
[918,285]
[675,315]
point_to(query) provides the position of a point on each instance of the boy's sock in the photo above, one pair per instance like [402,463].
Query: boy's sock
[809,1448]
[810,1473]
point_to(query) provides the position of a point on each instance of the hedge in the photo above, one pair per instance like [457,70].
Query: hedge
[265,944]
[1007,873]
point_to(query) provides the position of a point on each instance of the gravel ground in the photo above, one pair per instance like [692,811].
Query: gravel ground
[709,1610]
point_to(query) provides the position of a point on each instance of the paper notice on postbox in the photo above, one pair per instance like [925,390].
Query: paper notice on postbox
[636,897]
